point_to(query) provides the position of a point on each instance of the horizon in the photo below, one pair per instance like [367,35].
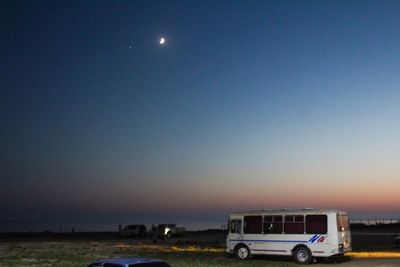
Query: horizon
[158,109]
[191,223]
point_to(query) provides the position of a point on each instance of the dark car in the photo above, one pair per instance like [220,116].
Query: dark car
[129,262]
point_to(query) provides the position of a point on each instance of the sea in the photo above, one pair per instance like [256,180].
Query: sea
[88,226]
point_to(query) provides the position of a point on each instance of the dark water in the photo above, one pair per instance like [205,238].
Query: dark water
[62,226]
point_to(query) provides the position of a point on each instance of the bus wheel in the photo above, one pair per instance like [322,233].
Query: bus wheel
[302,255]
[242,252]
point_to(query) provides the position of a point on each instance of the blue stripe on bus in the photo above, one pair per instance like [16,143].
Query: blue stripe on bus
[269,250]
[269,241]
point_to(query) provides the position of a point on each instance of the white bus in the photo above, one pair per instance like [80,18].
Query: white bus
[303,233]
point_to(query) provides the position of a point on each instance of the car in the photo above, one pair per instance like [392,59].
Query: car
[170,230]
[129,262]
[134,230]
[397,241]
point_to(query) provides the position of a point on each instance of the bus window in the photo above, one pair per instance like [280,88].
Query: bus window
[294,224]
[316,224]
[273,224]
[343,223]
[236,226]
[252,224]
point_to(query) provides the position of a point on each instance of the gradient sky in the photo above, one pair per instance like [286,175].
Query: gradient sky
[250,104]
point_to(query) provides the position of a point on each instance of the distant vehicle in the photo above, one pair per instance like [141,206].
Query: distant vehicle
[397,240]
[303,234]
[134,230]
[170,230]
[129,262]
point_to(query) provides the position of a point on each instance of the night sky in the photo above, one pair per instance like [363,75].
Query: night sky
[248,104]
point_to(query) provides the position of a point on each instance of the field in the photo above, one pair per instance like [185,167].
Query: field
[194,250]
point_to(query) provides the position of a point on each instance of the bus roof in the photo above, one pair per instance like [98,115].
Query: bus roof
[288,211]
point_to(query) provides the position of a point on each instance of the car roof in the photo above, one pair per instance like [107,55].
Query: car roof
[127,260]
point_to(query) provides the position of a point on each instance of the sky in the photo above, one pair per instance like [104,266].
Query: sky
[247,105]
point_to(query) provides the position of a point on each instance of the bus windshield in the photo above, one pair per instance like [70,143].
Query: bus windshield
[343,223]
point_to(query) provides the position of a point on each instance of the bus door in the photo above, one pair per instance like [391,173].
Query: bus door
[235,230]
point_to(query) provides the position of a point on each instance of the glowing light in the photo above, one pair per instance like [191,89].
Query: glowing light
[166,248]
[162,41]
[373,254]
[166,230]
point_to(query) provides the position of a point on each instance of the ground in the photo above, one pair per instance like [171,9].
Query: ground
[194,250]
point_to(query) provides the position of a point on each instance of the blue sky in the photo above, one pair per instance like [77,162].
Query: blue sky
[249,104]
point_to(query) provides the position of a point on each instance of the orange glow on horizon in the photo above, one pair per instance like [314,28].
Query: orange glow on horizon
[374,254]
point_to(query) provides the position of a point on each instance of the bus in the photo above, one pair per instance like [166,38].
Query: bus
[303,234]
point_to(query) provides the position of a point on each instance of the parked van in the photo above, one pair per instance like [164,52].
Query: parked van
[303,234]
[134,230]
[170,230]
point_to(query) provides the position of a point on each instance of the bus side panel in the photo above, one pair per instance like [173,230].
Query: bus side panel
[319,244]
[268,244]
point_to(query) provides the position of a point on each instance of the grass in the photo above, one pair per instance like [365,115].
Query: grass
[73,253]
[80,253]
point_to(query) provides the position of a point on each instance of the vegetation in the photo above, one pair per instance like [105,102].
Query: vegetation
[73,253]
[81,252]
